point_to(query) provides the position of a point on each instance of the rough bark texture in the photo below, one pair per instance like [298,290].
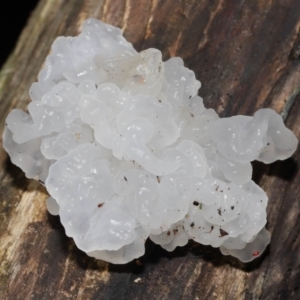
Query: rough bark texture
[246,54]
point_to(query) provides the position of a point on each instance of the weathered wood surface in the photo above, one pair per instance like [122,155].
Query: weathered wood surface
[246,54]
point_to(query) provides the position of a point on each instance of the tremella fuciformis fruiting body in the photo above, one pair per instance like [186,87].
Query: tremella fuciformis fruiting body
[127,151]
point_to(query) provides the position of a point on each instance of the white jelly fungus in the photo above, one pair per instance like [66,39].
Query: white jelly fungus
[127,151]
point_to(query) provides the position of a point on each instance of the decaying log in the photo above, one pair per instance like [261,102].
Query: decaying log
[246,54]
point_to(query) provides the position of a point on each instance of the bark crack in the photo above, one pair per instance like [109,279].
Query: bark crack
[204,39]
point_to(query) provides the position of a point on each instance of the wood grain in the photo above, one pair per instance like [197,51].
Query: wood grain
[246,54]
